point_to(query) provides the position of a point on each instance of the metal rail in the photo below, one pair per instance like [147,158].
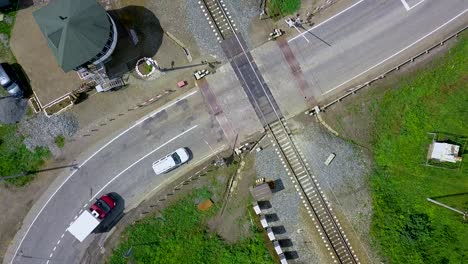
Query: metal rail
[316,204]
[328,225]
[218,18]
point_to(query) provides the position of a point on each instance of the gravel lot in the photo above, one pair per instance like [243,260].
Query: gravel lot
[41,130]
[344,181]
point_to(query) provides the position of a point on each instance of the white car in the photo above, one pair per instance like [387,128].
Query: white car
[171,161]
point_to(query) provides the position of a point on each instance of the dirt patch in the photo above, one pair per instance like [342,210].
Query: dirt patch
[232,224]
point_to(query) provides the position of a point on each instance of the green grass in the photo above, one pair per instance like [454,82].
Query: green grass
[60,141]
[6,28]
[180,236]
[283,7]
[15,158]
[406,227]
[5,53]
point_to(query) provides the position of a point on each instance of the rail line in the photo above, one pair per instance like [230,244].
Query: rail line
[218,18]
[267,110]
[314,200]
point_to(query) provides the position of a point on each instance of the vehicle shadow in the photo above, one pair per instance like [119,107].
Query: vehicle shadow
[24,80]
[18,75]
[114,216]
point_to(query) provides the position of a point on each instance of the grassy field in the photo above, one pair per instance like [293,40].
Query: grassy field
[283,7]
[406,227]
[180,235]
[15,158]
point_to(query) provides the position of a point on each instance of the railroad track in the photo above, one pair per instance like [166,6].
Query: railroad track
[218,18]
[312,196]
[270,115]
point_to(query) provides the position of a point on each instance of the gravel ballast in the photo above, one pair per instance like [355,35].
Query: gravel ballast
[287,206]
[201,31]
[344,181]
[41,131]
[242,12]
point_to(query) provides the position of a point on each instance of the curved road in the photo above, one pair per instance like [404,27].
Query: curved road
[123,165]
[349,47]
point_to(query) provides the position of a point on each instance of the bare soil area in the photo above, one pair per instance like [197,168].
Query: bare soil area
[232,224]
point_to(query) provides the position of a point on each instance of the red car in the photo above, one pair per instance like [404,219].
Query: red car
[102,206]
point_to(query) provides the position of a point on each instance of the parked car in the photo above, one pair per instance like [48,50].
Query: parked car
[171,161]
[9,82]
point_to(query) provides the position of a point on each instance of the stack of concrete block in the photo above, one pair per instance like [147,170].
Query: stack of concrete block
[270,233]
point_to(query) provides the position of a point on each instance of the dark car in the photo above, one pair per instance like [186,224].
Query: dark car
[9,81]
[103,206]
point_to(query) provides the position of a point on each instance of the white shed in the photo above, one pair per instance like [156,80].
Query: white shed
[444,152]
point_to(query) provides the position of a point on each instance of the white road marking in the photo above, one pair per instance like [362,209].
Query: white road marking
[165,107]
[51,254]
[48,262]
[407,47]
[142,158]
[408,7]
[58,242]
[300,34]
[54,248]
[88,159]
[318,25]
[62,235]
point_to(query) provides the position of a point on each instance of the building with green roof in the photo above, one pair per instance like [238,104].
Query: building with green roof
[80,33]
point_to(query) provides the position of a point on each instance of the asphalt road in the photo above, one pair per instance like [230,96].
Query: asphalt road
[122,166]
[338,53]
[344,48]
[360,42]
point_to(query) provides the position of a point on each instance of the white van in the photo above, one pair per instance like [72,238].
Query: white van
[171,161]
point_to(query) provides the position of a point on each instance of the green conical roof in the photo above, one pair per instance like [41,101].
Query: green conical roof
[76,30]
